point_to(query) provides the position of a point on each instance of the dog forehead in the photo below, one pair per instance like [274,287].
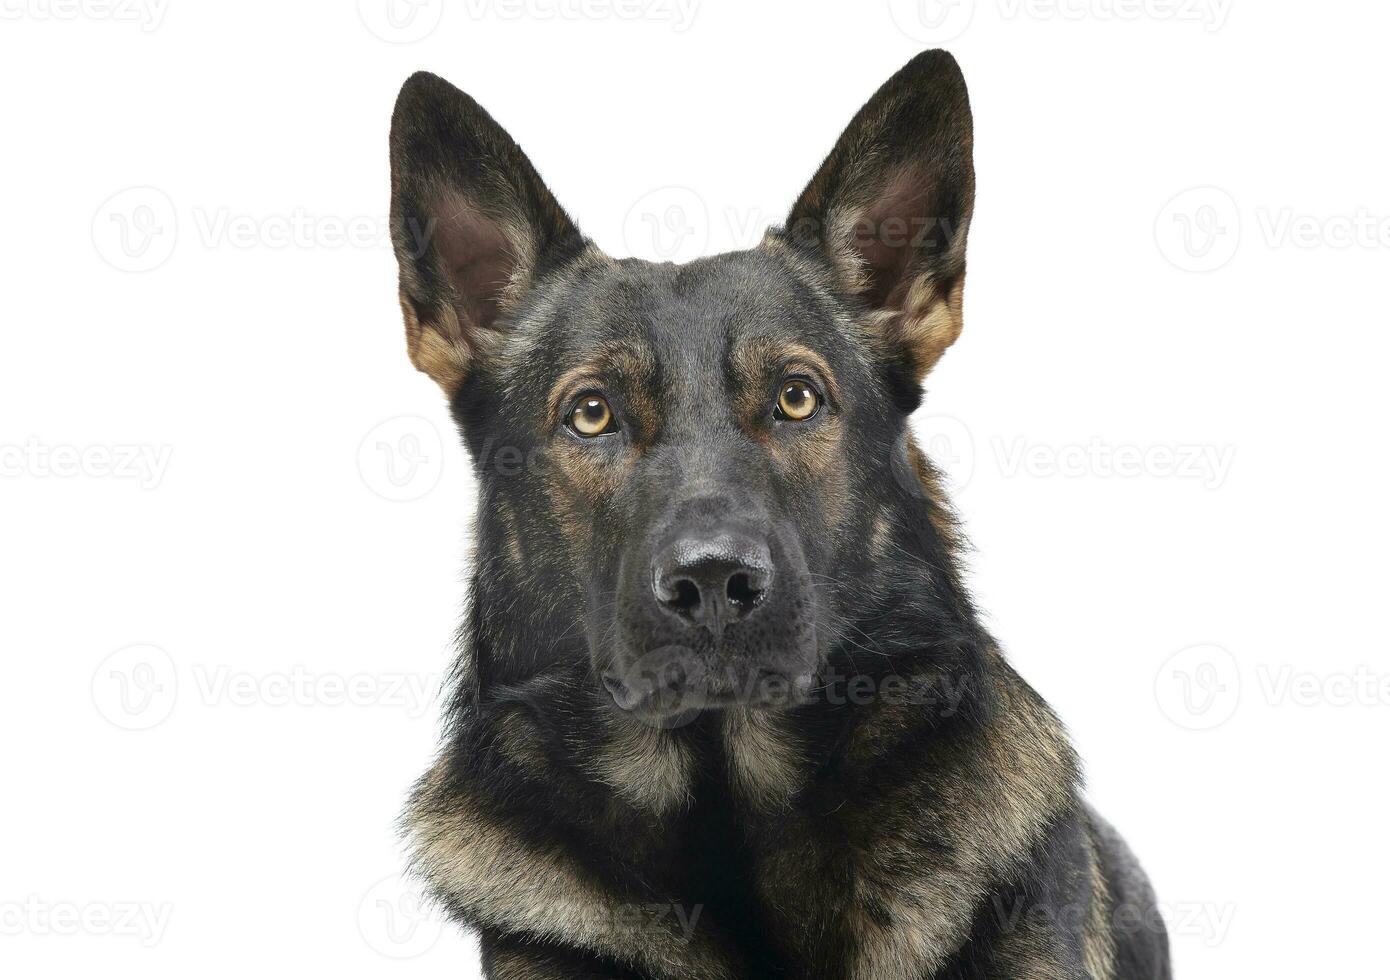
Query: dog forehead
[684,319]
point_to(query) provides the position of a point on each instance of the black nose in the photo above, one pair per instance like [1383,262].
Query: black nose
[712,580]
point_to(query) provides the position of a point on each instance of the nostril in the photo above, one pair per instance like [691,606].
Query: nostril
[743,593]
[684,597]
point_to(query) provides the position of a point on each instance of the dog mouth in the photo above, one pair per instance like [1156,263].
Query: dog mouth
[673,686]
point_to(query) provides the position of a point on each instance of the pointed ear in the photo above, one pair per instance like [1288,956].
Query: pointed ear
[890,208]
[472,224]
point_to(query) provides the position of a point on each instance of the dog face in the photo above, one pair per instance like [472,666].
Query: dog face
[686,464]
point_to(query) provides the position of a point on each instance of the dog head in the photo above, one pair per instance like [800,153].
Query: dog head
[684,465]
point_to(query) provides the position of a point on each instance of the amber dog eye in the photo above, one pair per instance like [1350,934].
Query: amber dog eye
[797,402]
[591,416]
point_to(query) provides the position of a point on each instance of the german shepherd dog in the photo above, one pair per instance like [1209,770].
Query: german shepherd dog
[723,708]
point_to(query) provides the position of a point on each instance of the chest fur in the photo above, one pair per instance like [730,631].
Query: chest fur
[750,856]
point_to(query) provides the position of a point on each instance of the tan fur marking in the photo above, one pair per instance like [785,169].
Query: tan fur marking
[1001,815]
[764,757]
[579,479]
[572,517]
[942,518]
[647,767]
[438,349]
[992,796]
[523,250]
[760,362]
[515,963]
[1029,946]
[509,883]
[816,452]
[758,356]
[1098,940]
[1028,951]
[881,533]
[843,224]
[930,321]
[517,739]
[812,272]
[631,362]
[513,549]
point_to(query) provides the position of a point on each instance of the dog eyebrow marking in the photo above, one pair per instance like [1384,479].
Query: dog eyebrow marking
[756,357]
[754,367]
[624,361]
[756,364]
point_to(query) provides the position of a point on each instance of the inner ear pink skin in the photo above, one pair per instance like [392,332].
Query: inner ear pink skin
[477,257]
[892,225]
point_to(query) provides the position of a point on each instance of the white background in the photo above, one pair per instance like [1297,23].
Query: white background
[1165,425]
